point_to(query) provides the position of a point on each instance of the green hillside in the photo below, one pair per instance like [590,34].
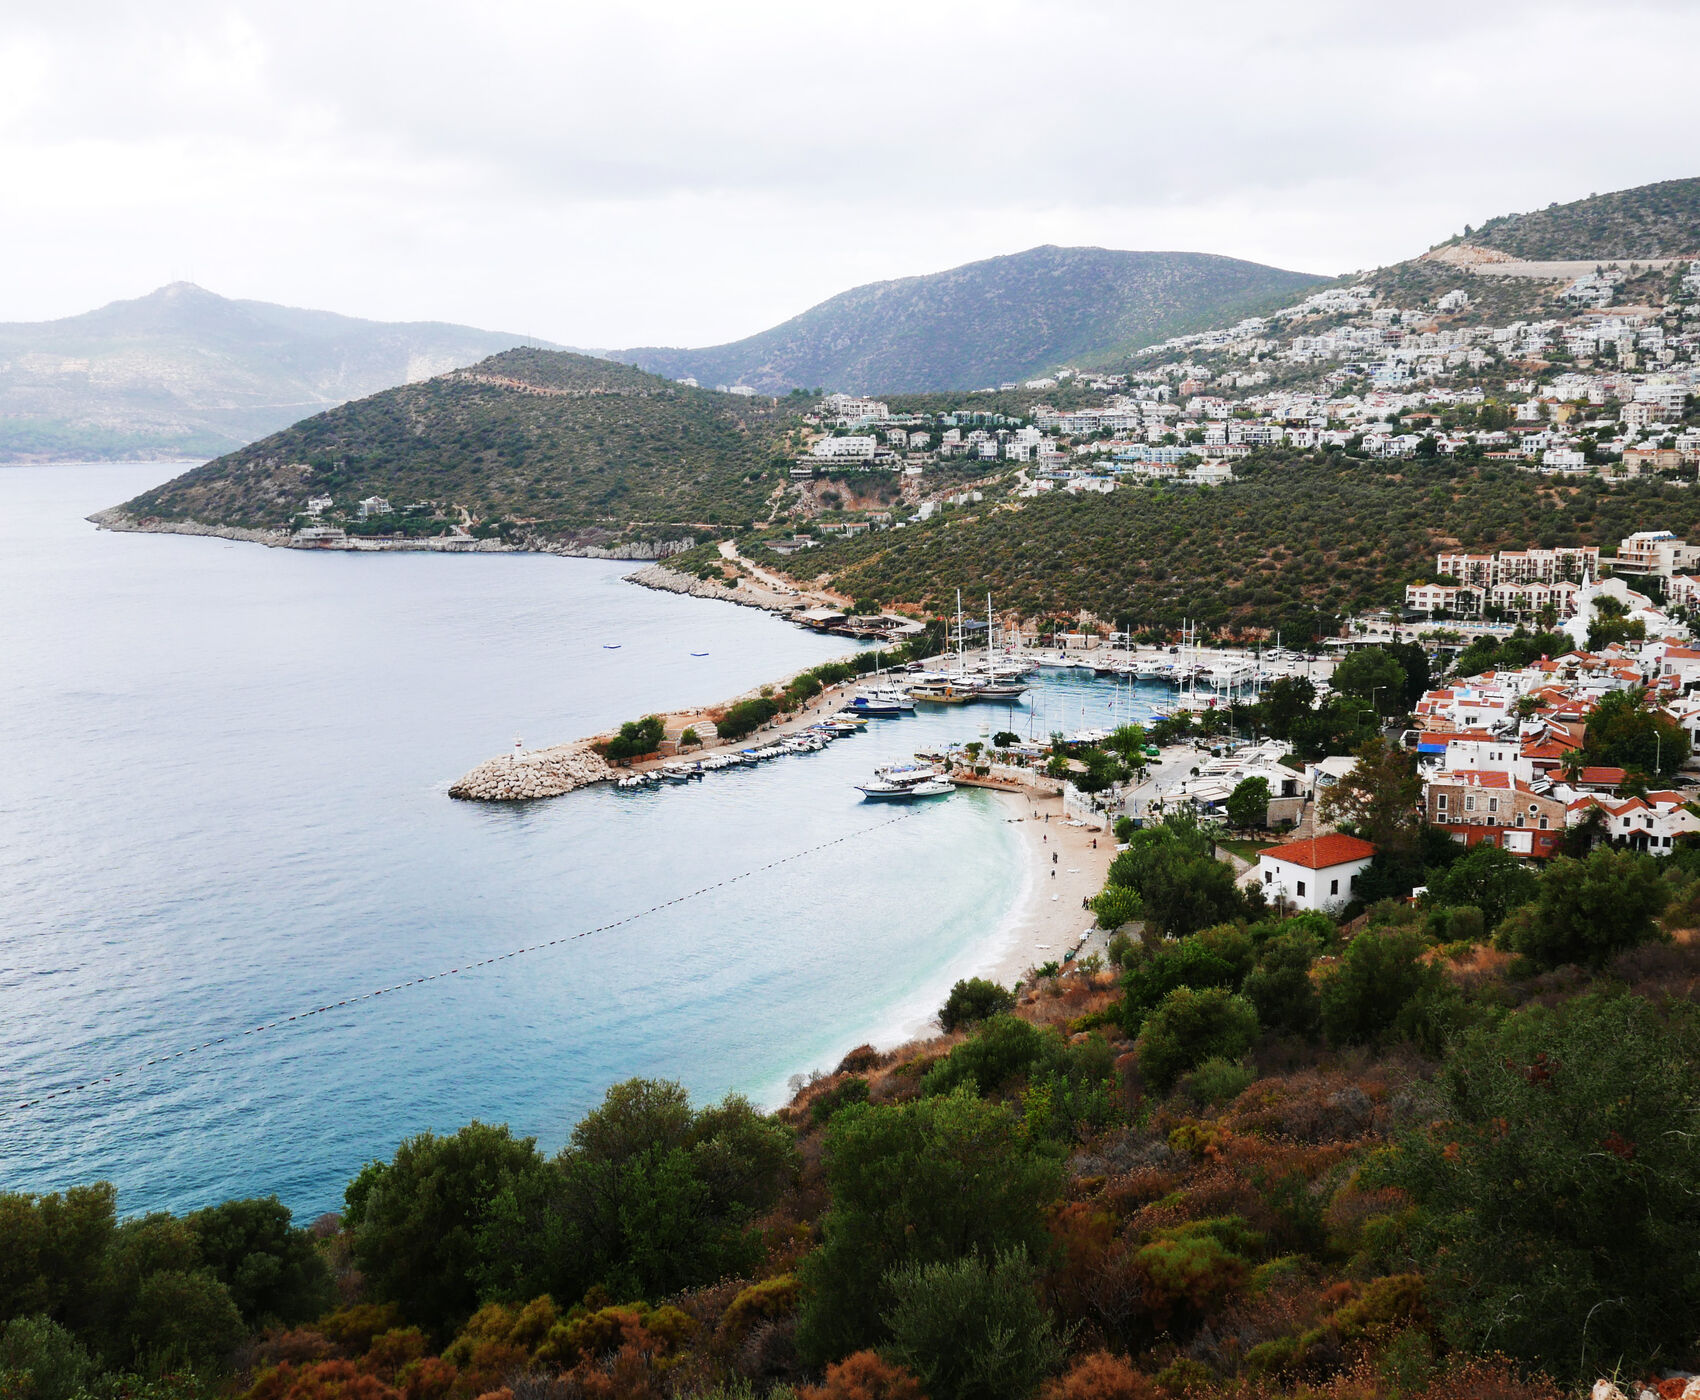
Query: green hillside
[183,372]
[559,441]
[1297,532]
[988,322]
[1649,221]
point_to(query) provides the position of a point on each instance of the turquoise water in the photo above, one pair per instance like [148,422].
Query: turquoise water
[222,801]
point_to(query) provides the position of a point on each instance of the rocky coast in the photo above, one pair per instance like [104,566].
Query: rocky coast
[529,774]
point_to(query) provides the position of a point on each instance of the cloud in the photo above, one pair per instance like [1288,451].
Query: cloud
[681,173]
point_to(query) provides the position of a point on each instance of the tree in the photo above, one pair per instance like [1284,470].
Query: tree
[1558,1196]
[1191,1027]
[1181,885]
[1624,733]
[415,1220]
[1375,676]
[971,1000]
[1379,798]
[649,1197]
[50,1360]
[1587,911]
[1248,803]
[922,1182]
[1488,877]
[972,1329]
[271,1268]
[1280,986]
[1286,700]
[1380,976]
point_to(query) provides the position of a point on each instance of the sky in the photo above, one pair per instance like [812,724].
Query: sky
[669,173]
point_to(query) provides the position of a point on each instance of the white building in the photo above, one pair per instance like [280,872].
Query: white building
[1319,874]
[374,505]
[854,448]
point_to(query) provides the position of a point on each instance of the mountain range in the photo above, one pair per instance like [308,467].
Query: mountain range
[988,322]
[183,372]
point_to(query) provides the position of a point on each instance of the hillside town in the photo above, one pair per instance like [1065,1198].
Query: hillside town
[1599,387]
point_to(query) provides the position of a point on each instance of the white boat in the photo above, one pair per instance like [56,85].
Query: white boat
[881,701]
[901,782]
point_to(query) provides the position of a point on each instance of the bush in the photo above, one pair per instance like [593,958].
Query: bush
[839,1096]
[1116,905]
[1588,911]
[969,1331]
[1191,1027]
[745,717]
[271,1268]
[636,738]
[921,1182]
[1101,1376]
[49,1360]
[1194,962]
[1280,986]
[1217,1081]
[1379,977]
[865,1376]
[1558,1198]
[974,1000]
[1120,950]
[1487,878]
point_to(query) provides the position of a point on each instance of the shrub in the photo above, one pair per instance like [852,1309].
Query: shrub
[1101,1376]
[865,1376]
[1588,910]
[1559,1198]
[1116,905]
[1217,1081]
[636,737]
[270,1267]
[1191,1027]
[1280,986]
[48,1359]
[1380,975]
[919,1182]
[745,717]
[974,1000]
[1120,950]
[1488,878]
[1195,962]
[972,1331]
[847,1092]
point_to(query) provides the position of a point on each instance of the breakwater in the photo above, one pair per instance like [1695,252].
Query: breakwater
[526,775]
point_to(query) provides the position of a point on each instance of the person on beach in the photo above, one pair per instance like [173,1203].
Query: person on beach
[1053,857]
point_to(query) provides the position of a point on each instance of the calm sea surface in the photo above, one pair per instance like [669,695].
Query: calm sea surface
[223,776]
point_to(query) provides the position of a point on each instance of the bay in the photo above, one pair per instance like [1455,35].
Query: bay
[223,774]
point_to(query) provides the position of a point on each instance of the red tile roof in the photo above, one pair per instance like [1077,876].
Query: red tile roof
[1603,775]
[1323,852]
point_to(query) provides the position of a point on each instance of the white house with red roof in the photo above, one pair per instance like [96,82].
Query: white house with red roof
[1319,873]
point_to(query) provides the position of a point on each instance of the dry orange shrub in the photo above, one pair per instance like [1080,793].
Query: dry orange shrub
[864,1376]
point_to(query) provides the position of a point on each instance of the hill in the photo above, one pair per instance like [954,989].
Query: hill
[185,372]
[547,440]
[1649,221]
[987,322]
[1296,534]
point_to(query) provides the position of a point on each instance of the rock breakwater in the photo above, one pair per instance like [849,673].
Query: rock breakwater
[534,773]
[659,576]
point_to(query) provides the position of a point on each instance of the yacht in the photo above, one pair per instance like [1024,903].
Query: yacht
[903,782]
[882,700]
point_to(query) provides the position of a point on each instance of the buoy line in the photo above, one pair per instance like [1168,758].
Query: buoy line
[96,1081]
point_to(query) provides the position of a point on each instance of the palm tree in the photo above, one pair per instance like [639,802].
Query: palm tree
[1572,763]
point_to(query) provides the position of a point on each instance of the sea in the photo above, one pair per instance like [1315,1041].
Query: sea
[224,825]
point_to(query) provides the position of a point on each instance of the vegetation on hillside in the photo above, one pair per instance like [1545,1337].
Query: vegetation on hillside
[1300,534]
[542,443]
[989,322]
[1649,221]
[1408,1158]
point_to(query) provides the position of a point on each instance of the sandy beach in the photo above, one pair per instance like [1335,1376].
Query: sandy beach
[1063,867]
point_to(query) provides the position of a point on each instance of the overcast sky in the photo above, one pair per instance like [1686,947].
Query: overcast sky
[617,174]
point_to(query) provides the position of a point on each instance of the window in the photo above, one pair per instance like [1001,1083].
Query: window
[1469,802]
[1333,887]
[1440,802]
[1352,884]
[1268,877]
[1301,887]
[1493,804]
[1519,819]
[1543,823]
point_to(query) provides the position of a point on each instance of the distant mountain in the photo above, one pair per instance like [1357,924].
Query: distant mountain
[987,322]
[184,372]
[544,443]
[1649,221]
